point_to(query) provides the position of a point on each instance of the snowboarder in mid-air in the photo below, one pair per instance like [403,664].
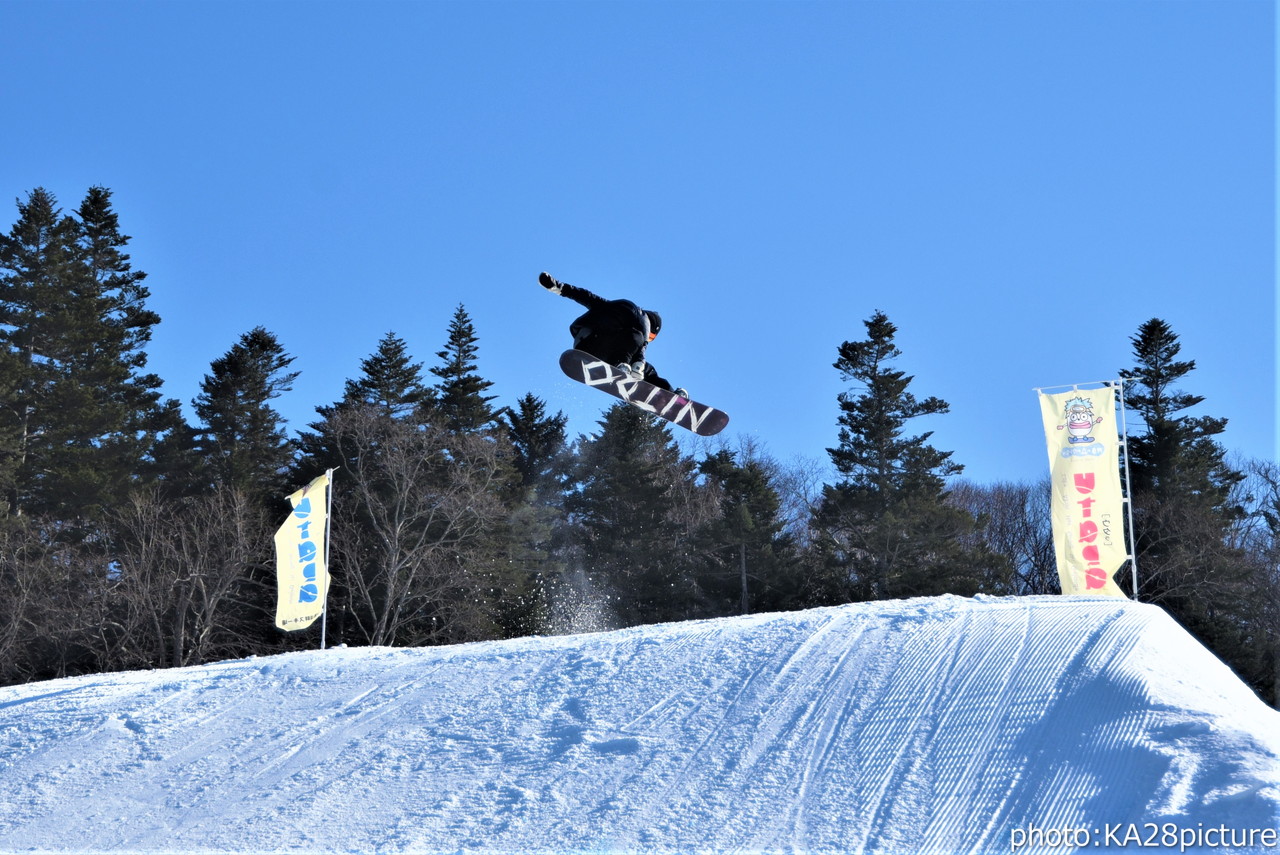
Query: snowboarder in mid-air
[614,331]
[608,353]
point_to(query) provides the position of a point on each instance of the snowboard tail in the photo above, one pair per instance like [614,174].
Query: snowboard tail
[691,415]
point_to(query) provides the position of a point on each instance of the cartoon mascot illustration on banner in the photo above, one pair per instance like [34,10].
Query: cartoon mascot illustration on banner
[1080,420]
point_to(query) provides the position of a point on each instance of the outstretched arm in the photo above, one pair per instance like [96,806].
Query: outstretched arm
[573,292]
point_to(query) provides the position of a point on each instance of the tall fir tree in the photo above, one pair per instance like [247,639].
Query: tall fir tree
[243,438]
[1176,455]
[750,560]
[463,406]
[628,480]
[538,439]
[34,262]
[542,462]
[464,411]
[873,455]
[389,383]
[887,528]
[74,325]
[176,465]
[1183,514]
[110,363]
[14,424]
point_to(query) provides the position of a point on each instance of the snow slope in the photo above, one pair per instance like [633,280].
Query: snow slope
[931,725]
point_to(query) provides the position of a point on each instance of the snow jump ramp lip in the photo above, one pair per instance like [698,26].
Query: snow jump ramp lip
[934,725]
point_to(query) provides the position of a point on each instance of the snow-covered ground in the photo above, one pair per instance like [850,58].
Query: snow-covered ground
[932,725]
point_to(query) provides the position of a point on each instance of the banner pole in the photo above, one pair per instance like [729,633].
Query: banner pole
[328,523]
[1075,386]
[1128,492]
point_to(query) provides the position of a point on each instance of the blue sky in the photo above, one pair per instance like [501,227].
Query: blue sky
[1017,185]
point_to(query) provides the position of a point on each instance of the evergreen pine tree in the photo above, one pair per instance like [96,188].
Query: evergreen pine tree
[464,411]
[888,531]
[389,382]
[628,480]
[873,455]
[541,461]
[1183,514]
[73,323]
[1176,456]
[538,439]
[108,364]
[14,422]
[750,564]
[175,464]
[36,259]
[242,436]
[117,285]
[462,403]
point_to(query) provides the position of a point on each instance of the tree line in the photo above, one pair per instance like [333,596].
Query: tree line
[132,538]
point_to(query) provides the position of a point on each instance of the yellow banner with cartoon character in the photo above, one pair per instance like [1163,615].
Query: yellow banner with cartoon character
[302,579]
[1088,504]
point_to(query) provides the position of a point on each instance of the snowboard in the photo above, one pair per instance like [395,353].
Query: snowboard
[699,418]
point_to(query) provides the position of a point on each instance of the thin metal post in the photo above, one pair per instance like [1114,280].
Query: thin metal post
[328,577]
[1128,491]
[1043,389]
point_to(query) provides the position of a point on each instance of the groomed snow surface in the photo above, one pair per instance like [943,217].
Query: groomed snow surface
[934,725]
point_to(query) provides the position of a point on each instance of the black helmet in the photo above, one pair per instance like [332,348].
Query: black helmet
[655,323]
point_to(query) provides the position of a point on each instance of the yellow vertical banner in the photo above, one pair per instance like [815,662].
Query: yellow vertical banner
[302,577]
[1088,504]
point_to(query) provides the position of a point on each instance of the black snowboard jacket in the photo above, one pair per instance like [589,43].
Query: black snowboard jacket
[613,330]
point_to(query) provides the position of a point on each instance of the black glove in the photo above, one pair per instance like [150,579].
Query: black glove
[546,280]
[682,392]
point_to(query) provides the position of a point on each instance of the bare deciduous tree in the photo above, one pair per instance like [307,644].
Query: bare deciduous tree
[1016,523]
[413,528]
[184,581]
[53,601]
[1256,534]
